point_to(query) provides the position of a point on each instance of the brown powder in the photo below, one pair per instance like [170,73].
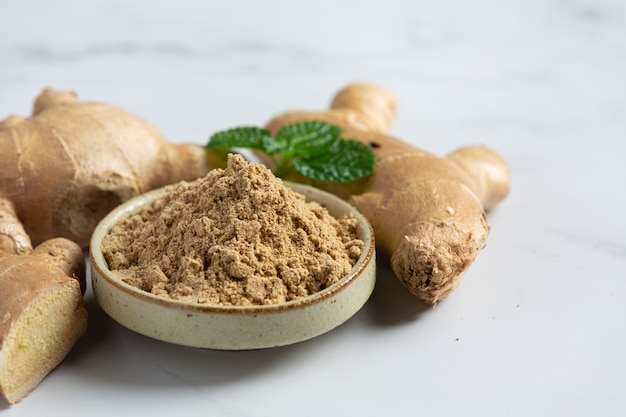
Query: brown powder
[235,237]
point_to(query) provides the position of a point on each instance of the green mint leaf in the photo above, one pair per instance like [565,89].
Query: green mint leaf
[309,138]
[313,148]
[346,161]
[240,137]
[272,146]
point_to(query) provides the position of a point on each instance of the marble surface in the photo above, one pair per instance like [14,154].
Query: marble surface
[536,328]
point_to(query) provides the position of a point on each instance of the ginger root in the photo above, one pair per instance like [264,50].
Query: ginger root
[61,172]
[41,313]
[428,212]
[72,162]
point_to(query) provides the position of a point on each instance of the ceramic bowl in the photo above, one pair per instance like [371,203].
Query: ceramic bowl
[234,327]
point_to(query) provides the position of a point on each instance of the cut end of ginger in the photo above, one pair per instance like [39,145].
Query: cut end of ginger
[40,338]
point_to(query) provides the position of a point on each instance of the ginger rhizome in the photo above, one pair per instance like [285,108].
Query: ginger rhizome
[72,162]
[428,212]
[41,313]
[61,171]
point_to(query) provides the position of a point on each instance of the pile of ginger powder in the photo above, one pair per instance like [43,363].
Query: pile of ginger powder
[237,236]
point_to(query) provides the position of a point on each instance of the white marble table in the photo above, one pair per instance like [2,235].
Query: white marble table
[538,326]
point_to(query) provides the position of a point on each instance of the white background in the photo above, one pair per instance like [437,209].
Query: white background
[537,327]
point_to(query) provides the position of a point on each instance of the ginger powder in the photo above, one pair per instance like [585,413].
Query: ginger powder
[237,236]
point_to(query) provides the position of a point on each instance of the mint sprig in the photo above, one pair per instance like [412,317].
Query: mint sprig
[312,148]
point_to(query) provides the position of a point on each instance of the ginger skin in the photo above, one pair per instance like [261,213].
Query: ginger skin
[428,212]
[41,313]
